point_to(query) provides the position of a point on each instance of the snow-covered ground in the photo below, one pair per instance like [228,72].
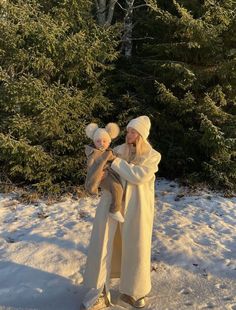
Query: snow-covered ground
[43,251]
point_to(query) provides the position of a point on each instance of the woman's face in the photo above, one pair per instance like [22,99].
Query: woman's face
[132,135]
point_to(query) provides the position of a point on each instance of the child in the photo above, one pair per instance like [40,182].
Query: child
[98,157]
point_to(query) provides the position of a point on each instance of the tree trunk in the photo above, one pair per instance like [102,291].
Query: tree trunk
[105,11]
[128,27]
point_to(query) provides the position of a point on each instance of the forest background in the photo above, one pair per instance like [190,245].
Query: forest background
[66,63]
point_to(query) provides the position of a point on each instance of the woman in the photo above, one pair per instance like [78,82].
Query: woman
[124,250]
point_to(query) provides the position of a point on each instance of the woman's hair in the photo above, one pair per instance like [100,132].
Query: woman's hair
[142,147]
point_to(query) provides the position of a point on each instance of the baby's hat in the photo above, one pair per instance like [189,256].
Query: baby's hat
[110,132]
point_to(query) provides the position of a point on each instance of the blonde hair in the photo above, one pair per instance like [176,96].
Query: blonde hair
[142,147]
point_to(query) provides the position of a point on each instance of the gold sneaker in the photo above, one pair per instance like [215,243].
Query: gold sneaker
[139,303]
[101,303]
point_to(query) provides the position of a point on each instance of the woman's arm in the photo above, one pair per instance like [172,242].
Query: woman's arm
[137,174]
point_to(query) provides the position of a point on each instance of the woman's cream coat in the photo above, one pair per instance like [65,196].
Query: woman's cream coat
[131,256]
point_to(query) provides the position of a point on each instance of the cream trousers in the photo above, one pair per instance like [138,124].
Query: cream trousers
[93,293]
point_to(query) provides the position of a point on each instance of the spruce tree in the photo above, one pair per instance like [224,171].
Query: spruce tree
[183,75]
[53,57]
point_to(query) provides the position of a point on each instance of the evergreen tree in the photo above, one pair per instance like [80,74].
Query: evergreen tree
[53,57]
[183,75]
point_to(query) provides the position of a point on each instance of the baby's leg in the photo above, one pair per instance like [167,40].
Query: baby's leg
[115,188]
[113,185]
[108,184]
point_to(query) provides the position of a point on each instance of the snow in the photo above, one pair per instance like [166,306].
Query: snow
[43,250]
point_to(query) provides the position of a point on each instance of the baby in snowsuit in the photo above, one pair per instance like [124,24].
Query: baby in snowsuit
[99,157]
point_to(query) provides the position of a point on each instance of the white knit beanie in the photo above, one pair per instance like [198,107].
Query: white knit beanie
[142,124]
[111,131]
[101,133]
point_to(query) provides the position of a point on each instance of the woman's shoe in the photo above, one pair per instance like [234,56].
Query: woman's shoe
[101,303]
[139,303]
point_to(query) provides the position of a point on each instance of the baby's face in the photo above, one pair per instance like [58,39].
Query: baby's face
[102,143]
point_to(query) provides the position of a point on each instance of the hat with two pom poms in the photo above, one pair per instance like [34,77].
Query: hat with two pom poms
[111,131]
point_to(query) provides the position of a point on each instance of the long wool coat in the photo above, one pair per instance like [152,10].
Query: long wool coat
[131,250]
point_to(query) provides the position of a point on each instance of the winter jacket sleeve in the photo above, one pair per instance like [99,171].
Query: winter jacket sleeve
[137,174]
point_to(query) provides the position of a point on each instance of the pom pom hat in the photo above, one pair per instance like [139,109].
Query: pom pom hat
[110,132]
[142,124]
